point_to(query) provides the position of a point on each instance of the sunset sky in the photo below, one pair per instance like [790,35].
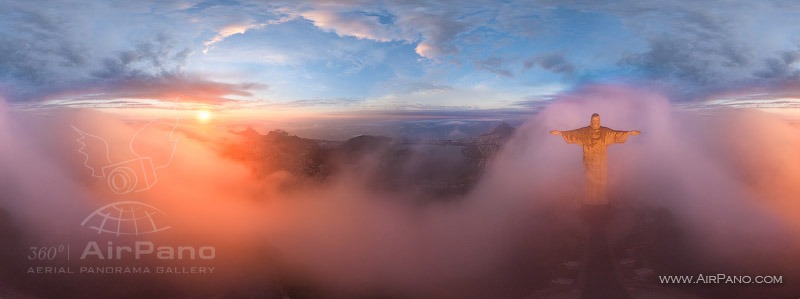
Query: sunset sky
[435,57]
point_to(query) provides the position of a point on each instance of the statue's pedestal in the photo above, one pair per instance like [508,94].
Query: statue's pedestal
[595,215]
[600,277]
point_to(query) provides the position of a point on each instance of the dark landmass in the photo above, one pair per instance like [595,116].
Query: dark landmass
[439,168]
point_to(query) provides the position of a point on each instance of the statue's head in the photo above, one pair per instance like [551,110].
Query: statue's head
[595,123]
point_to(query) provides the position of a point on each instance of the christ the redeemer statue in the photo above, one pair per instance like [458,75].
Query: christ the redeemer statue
[595,140]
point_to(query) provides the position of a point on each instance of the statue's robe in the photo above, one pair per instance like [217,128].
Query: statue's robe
[594,143]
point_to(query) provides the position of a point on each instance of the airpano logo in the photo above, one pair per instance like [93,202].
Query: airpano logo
[132,175]
[128,176]
[131,218]
[126,218]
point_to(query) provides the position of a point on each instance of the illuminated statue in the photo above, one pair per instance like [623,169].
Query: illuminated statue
[595,139]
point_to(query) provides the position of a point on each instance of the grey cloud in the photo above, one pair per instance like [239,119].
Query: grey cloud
[761,92]
[707,67]
[534,103]
[701,49]
[523,19]
[40,49]
[337,102]
[434,29]
[454,113]
[55,51]
[791,57]
[439,35]
[670,57]
[693,48]
[152,68]
[408,85]
[494,65]
[157,57]
[781,67]
[253,86]
[701,45]
[46,35]
[553,62]
[36,48]
[164,88]
[206,4]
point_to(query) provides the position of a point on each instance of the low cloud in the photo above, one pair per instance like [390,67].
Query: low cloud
[189,89]
[346,239]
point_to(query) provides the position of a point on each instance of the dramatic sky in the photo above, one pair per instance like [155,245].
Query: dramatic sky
[442,56]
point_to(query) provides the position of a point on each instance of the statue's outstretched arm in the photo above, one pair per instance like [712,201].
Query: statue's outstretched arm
[571,136]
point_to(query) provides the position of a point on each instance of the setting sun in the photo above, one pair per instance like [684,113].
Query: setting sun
[203,115]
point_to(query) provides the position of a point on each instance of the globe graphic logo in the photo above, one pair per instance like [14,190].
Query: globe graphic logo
[125,218]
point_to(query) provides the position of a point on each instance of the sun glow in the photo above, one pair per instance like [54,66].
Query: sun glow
[203,115]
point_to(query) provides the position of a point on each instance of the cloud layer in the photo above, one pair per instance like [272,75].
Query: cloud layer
[342,238]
